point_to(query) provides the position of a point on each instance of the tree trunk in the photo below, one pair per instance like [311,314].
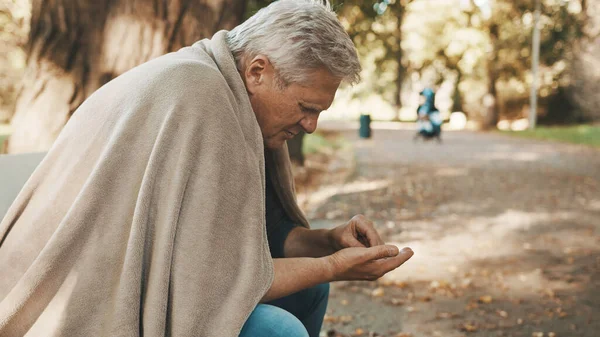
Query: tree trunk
[456,97]
[76,46]
[491,102]
[586,59]
[401,71]
[399,80]
[491,114]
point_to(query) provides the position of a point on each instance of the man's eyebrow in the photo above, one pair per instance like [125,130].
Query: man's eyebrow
[310,106]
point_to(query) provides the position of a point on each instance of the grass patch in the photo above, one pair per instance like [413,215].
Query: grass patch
[323,142]
[579,134]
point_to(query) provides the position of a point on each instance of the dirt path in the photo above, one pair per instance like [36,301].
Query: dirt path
[506,234]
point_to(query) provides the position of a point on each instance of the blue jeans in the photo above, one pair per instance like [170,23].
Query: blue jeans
[298,315]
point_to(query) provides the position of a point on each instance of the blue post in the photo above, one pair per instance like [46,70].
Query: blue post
[365,126]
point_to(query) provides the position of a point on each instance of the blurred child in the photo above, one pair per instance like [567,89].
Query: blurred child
[429,123]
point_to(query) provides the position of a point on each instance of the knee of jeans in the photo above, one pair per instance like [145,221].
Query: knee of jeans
[268,320]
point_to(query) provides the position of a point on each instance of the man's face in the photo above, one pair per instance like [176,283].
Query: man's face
[283,112]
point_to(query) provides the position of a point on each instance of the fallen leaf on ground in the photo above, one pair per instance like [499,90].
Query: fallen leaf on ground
[502,313]
[397,301]
[401,284]
[471,306]
[338,319]
[378,292]
[426,299]
[466,283]
[549,292]
[385,282]
[445,315]
[490,326]
[468,327]
[487,299]
[359,332]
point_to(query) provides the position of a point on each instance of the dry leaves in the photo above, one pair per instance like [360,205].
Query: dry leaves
[502,313]
[345,319]
[397,301]
[378,292]
[446,315]
[486,299]
[359,332]
[468,327]
[404,334]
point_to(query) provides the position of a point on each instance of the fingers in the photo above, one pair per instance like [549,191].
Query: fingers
[351,241]
[396,261]
[371,234]
[380,252]
[366,229]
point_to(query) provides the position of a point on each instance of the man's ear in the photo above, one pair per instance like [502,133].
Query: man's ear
[256,73]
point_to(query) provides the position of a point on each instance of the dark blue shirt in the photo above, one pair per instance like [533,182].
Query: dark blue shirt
[279,225]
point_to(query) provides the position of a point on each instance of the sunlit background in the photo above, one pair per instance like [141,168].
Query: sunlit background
[502,215]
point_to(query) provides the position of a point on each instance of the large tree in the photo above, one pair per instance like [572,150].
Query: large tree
[585,78]
[377,25]
[76,46]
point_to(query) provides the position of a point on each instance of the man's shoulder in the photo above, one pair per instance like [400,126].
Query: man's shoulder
[184,69]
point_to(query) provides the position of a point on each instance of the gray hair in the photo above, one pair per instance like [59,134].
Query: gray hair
[298,37]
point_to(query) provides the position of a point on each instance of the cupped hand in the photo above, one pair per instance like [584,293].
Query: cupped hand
[369,264]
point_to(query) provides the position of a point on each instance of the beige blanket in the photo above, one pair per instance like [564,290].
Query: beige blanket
[147,215]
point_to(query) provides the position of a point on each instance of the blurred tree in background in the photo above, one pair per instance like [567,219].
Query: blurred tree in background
[376,29]
[74,47]
[475,53]
[482,47]
[585,71]
[14,29]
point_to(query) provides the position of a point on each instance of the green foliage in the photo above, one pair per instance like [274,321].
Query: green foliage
[322,142]
[582,134]
[478,42]
[375,28]
[14,23]
[254,5]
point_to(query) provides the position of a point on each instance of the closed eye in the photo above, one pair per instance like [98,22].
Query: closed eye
[308,110]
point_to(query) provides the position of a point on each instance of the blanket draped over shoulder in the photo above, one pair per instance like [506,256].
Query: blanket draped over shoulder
[147,215]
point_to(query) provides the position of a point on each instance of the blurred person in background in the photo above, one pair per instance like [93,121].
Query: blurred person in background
[429,122]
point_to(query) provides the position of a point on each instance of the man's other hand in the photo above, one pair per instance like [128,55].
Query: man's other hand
[358,232]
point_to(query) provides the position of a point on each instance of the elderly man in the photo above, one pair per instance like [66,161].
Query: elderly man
[147,216]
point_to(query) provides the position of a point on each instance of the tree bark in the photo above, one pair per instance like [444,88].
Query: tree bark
[585,83]
[491,103]
[76,46]
[456,97]
[401,71]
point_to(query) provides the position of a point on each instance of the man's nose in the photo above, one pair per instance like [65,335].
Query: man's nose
[309,123]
